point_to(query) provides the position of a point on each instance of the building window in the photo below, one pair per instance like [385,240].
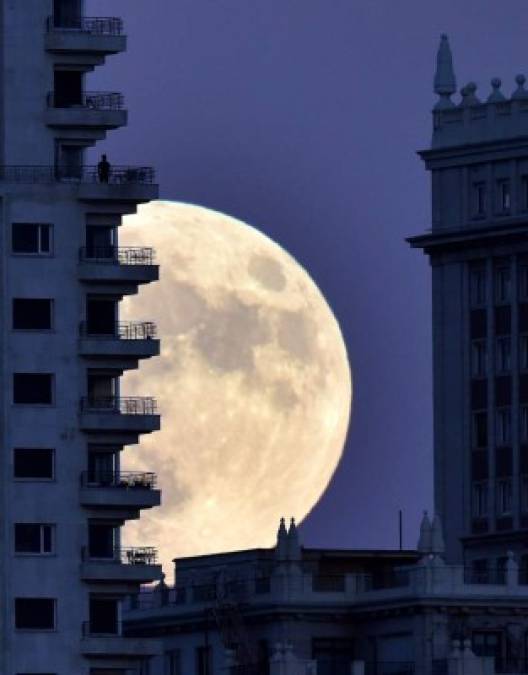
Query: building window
[523,352]
[487,643]
[523,420]
[104,616]
[524,192]
[31,238]
[33,388]
[524,494]
[503,426]
[504,497]
[503,196]
[479,199]
[502,284]
[173,662]
[32,314]
[204,661]
[35,613]
[478,358]
[480,499]
[33,463]
[478,286]
[34,538]
[503,354]
[480,430]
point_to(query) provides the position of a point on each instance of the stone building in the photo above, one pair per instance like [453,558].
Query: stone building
[64,491]
[459,607]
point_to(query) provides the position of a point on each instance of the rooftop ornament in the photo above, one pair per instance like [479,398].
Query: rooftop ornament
[445,81]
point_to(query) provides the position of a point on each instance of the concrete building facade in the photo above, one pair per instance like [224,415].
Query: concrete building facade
[64,491]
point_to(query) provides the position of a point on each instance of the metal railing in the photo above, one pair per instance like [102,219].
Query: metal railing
[144,555]
[94,25]
[119,479]
[117,175]
[128,405]
[91,629]
[122,330]
[121,255]
[89,100]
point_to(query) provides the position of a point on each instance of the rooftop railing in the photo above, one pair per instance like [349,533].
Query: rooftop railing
[143,555]
[123,480]
[122,255]
[122,330]
[129,405]
[94,25]
[90,100]
[116,175]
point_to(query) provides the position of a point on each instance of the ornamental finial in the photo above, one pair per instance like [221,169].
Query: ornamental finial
[445,80]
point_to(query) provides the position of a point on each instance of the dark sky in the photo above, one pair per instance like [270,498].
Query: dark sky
[302,118]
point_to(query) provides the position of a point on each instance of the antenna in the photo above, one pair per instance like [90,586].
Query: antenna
[400,528]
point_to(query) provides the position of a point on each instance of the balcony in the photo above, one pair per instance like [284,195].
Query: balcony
[119,489]
[128,340]
[113,265]
[134,184]
[126,415]
[94,110]
[96,644]
[124,565]
[97,36]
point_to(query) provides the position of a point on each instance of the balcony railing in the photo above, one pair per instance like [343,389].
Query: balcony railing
[117,175]
[491,576]
[129,405]
[144,555]
[123,255]
[122,330]
[90,100]
[92,629]
[123,480]
[95,25]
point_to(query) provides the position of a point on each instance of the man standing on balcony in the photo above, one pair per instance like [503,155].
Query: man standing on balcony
[103,170]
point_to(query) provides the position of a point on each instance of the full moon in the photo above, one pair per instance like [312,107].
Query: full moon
[253,384]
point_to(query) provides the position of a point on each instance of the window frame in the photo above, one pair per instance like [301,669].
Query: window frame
[503,427]
[30,629]
[34,330]
[39,253]
[503,200]
[504,496]
[478,286]
[479,357]
[480,499]
[42,540]
[479,199]
[52,402]
[32,479]
[503,354]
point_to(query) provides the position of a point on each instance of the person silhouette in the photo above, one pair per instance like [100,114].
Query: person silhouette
[103,170]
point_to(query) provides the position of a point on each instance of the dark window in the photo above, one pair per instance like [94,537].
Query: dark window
[478,324]
[33,388]
[104,616]
[503,196]
[479,394]
[204,661]
[523,388]
[32,314]
[101,540]
[503,320]
[173,662]
[487,643]
[479,199]
[479,465]
[480,430]
[35,613]
[503,388]
[524,192]
[68,87]
[33,463]
[100,241]
[67,13]
[101,316]
[33,538]
[31,238]
[478,286]
[503,462]
[334,656]
[523,317]
[523,457]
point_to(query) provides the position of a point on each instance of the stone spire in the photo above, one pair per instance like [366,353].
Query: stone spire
[425,542]
[294,545]
[281,548]
[445,80]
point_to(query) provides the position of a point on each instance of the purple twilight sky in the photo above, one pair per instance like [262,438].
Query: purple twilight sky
[302,118]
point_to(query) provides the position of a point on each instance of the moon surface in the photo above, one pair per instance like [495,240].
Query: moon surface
[253,384]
